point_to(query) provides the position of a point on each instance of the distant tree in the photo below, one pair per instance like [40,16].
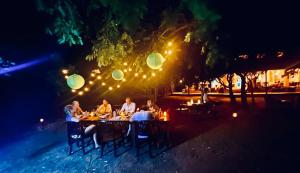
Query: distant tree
[251,83]
[243,76]
[229,85]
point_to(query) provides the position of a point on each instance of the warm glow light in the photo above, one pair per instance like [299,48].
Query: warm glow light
[125,63]
[136,74]
[110,88]
[166,52]
[170,52]
[129,69]
[199,101]
[153,74]
[96,71]
[170,43]
[91,82]
[86,89]
[279,54]
[73,91]
[99,77]
[160,69]
[118,86]
[188,103]
[92,74]
[192,101]
[165,113]
[123,79]
[234,115]
[80,93]
[125,70]
[65,71]
[66,77]
[144,76]
[180,81]
[103,84]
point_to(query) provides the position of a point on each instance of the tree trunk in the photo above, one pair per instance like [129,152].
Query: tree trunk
[230,90]
[243,90]
[251,89]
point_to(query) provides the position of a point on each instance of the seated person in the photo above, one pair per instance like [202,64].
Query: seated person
[104,110]
[128,107]
[74,114]
[151,106]
[142,115]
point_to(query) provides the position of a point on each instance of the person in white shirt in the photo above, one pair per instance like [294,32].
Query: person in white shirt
[128,107]
[74,114]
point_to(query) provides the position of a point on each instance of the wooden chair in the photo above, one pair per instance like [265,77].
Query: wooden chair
[75,134]
[112,132]
[143,134]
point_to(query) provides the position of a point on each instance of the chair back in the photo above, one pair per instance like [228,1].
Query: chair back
[73,128]
[143,129]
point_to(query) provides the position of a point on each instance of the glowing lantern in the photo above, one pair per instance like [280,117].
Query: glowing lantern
[155,61]
[117,75]
[75,81]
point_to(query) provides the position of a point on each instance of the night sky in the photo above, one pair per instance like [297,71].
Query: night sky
[251,26]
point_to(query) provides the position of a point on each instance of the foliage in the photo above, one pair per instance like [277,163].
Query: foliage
[110,46]
[128,31]
[67,26]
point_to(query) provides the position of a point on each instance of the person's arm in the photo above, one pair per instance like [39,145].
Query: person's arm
[132,118]
[123,108]
[132,110]
[98,110]
[109,109]
[75,119]
[71,116]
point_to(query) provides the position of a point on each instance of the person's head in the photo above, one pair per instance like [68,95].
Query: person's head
[128,100]
[144,108]
[149,102]
[105,102]
[75,104]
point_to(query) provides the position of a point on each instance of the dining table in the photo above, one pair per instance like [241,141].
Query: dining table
[161,119]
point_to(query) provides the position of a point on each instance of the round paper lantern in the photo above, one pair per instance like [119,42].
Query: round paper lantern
[155,61]
[117,75]
[75,81]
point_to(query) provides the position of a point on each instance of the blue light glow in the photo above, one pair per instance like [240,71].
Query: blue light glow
[15,68]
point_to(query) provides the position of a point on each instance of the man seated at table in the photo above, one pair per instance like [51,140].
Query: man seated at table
[128,107]
[74,114]
[104,110]
[151,106]
[142,115]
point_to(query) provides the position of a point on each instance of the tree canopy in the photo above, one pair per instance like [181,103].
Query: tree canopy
[120,31]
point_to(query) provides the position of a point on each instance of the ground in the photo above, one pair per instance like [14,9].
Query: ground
[258,140]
